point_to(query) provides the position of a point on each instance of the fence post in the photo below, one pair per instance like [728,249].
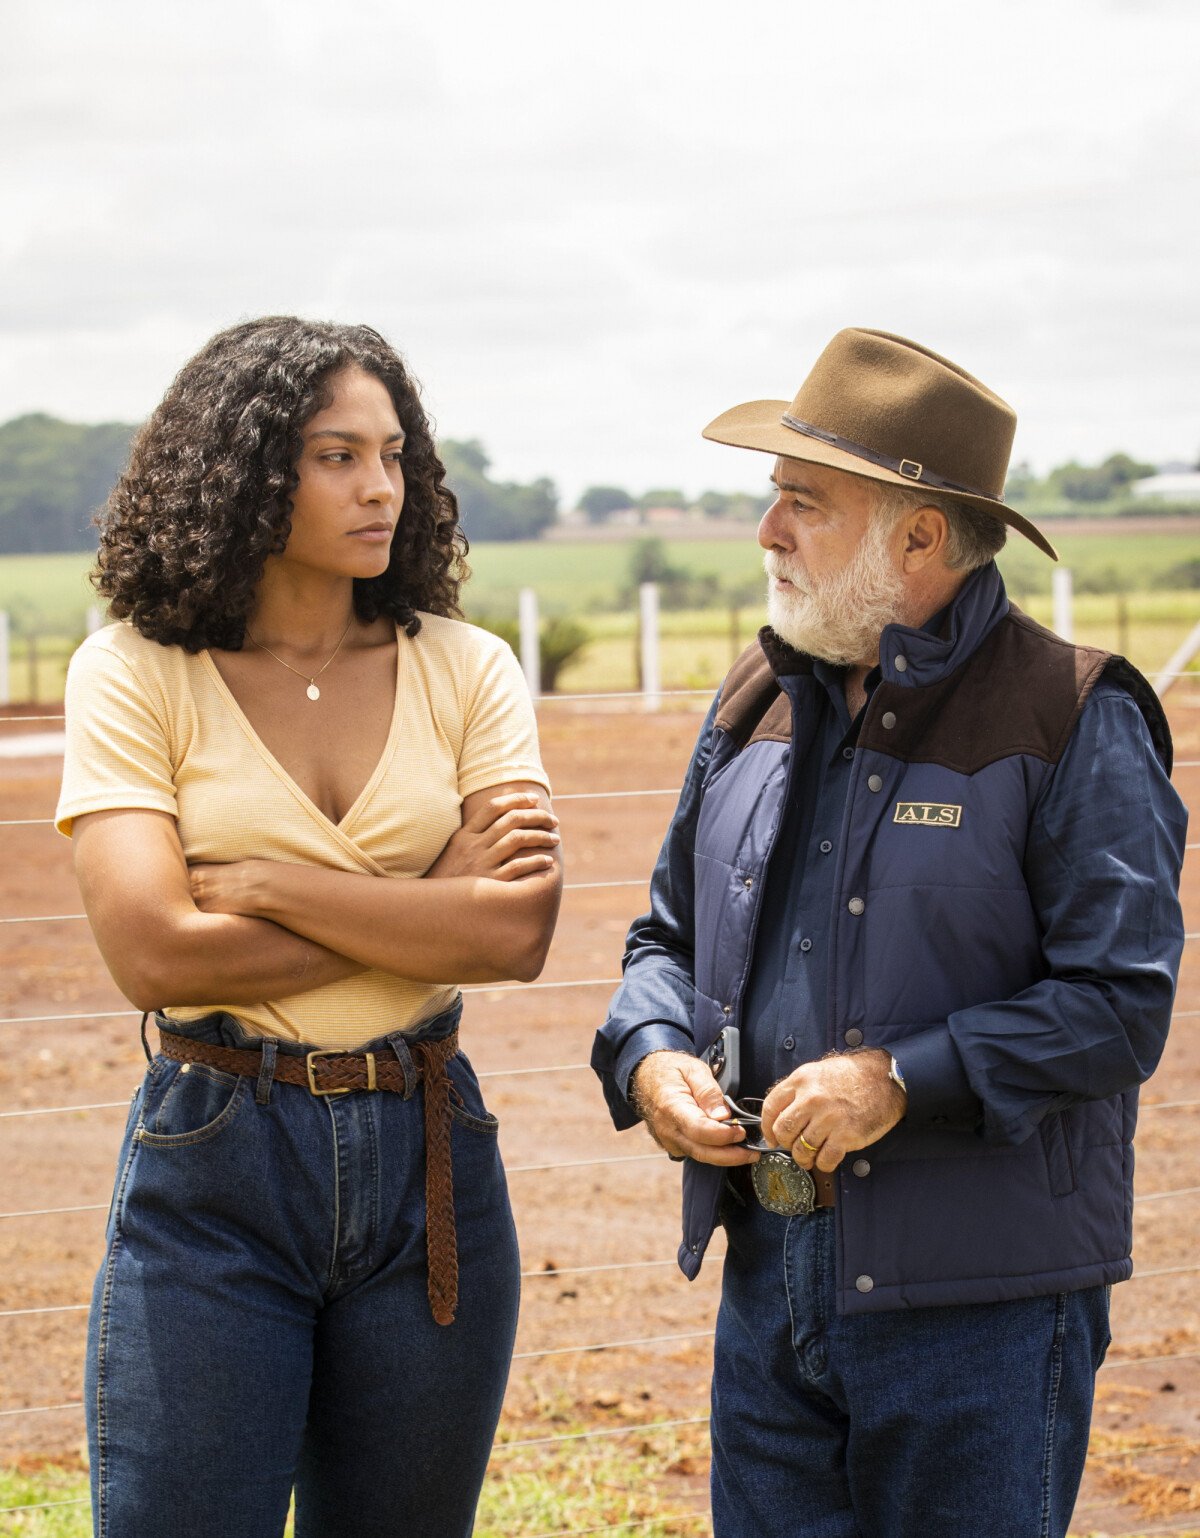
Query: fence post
[1063,622]
[648,627]
[3,656]
[1177,663]
[531,656]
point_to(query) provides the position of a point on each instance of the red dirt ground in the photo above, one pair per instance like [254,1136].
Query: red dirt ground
[572,1217]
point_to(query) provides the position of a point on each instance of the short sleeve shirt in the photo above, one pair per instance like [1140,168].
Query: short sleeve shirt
[154,727]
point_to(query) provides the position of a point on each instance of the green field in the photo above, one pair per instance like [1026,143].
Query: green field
[47,598]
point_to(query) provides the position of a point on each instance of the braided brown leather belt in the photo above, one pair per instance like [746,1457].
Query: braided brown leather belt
[338,1073]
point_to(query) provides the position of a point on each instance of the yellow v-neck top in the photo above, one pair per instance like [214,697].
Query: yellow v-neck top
[152,726]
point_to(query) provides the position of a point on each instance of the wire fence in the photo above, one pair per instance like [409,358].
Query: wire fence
[632,1163]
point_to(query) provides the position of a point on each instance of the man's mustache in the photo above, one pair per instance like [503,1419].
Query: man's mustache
[780,570]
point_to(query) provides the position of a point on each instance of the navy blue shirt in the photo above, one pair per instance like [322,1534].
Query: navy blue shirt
[786,991]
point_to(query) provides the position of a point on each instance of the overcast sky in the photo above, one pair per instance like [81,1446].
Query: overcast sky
[590,228]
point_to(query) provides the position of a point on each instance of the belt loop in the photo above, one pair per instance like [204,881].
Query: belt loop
[266,1074]
[400,1047]
[145,1043]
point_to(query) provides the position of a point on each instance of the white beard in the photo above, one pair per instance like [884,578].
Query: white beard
[839,618]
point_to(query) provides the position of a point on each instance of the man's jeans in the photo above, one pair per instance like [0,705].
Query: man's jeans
[914,1423]
[261,1317]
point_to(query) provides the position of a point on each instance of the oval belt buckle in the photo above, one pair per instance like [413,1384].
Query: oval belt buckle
[782,1186]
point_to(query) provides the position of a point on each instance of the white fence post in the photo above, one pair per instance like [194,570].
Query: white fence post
[1064,622]
[3,657]
[648,612]
[94,620]
[1175,665]
[531,655]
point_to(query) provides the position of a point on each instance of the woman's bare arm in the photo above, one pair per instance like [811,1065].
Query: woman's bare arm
[456,925]
[160,948]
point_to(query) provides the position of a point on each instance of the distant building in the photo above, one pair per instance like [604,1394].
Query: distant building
[1169,486]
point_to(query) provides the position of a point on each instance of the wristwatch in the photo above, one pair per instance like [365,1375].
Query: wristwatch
[896,1074]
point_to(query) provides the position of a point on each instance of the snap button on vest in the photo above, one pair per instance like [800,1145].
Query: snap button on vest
[861,1167]
[788,1043]
[874,782]
[888,719]
[748,882]
[856,906]
[853,1037]
[864,1284]
[901,664]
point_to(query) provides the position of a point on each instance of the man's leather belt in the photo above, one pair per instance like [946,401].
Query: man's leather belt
[338,1073]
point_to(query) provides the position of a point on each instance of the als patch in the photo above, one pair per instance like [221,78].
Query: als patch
[927,814]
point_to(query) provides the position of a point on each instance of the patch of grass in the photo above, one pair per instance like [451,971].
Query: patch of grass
[650,1480]
[49,1483]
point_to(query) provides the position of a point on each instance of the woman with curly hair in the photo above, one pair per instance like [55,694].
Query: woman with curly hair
[306,802]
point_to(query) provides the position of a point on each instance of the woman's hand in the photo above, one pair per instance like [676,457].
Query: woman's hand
[237,887]
[506,837]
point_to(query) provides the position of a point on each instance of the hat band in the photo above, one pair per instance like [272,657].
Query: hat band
[910,469]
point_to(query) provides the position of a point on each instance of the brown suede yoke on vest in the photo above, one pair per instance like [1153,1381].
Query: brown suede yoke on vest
[967,720]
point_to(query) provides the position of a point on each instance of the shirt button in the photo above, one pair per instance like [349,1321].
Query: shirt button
[864,1284]
[856,906]
[875,782]
[847,752]
[788,1043]
[806,944]
[861,1167]
[901,664]
[888,719]
[826,846]
[853,1037]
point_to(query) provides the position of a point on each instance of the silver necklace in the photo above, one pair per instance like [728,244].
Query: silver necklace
[312,691]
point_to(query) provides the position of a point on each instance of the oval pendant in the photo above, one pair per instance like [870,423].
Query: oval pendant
[313,692]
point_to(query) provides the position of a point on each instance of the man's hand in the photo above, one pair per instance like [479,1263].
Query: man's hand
[836,1104]
[681,1103]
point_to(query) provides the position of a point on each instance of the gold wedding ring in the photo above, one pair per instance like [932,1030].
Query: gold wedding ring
[808,1145]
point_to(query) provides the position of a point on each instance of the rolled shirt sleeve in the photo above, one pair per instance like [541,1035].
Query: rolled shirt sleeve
[1102,866]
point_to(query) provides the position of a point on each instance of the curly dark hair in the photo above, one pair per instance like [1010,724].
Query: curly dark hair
[206,496]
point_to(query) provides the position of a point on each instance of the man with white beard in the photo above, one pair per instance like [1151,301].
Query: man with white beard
[912,945]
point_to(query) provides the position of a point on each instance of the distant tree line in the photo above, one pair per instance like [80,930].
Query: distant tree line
[599,504]
[1069,488]
[54,475]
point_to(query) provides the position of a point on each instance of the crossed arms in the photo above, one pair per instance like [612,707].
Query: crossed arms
[257,930]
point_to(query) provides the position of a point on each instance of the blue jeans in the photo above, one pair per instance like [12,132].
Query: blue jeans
[261,1318]
[914,1423]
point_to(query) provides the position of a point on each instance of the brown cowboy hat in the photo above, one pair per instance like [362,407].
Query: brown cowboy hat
[883,407]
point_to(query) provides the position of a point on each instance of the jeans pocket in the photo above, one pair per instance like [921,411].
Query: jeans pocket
[195,1104]
[466,1101]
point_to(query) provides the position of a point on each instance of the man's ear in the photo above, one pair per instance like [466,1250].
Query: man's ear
[926,532]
